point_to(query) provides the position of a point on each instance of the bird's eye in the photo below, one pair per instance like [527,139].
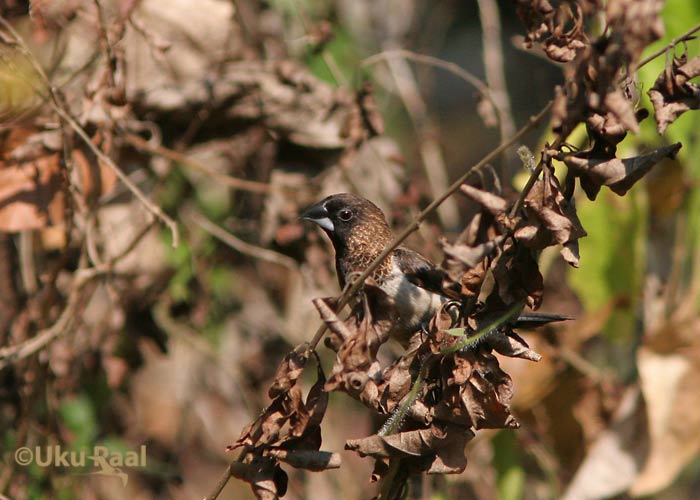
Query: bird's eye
[345,215]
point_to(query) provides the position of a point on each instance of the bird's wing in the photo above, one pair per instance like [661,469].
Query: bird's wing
[423,273]
[419,270]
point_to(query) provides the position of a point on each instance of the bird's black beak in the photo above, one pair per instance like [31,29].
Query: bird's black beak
[317,213]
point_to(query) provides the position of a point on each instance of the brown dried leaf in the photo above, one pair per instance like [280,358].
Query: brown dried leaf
[563,49]
[511,345]
[31,194]
[304,418]
[569,252]
[618,174]
[316,461]
[556,215]
[517,276]
[671,97]
[486,397]
[265,429]
[634,24]
[466,265]
[622,109]
[397,381]
[415,443]
[547,24]
[370,322]
[266,478]
[467,255]
[289,370]
[338,328]
[494,204]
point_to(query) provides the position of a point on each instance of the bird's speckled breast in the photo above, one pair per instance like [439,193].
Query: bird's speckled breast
[361,248]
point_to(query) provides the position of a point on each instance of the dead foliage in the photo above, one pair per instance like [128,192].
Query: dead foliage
[139,120]
[673,93]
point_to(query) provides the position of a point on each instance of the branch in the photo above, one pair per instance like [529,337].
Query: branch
[241,246]
[83,276]
[688,35]
[450,67]
[232,182]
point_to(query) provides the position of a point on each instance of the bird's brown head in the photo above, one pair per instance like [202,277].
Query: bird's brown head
[356,226]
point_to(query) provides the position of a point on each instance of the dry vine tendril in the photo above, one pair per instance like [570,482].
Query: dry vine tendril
[450,384]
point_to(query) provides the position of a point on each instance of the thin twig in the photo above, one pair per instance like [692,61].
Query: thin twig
[170,154]
[83,276]
[450,67]
[27,266]
[222,481]
[241,246]
[148,204]
[533,177]
[680,39]
[60,110]
[11,354]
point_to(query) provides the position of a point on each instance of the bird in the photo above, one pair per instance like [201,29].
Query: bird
[359,232]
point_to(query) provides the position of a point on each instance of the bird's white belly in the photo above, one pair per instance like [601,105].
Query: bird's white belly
[414,305]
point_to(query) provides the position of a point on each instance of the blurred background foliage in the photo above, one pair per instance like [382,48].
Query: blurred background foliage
[177,352]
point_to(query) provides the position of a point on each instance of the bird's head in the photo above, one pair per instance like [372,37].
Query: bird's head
[350,220]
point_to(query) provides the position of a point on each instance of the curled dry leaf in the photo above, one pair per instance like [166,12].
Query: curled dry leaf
[618,174]
[315,461]
[289,371]
[512,345]
[557,220]
[265,476]
[518,277]
[444,444]
[467,265]
[634,24]
[596,65]
[476,391]
[547,24]
[493,203]
[265,429]
[304,418]
[673,94]
[363,333]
